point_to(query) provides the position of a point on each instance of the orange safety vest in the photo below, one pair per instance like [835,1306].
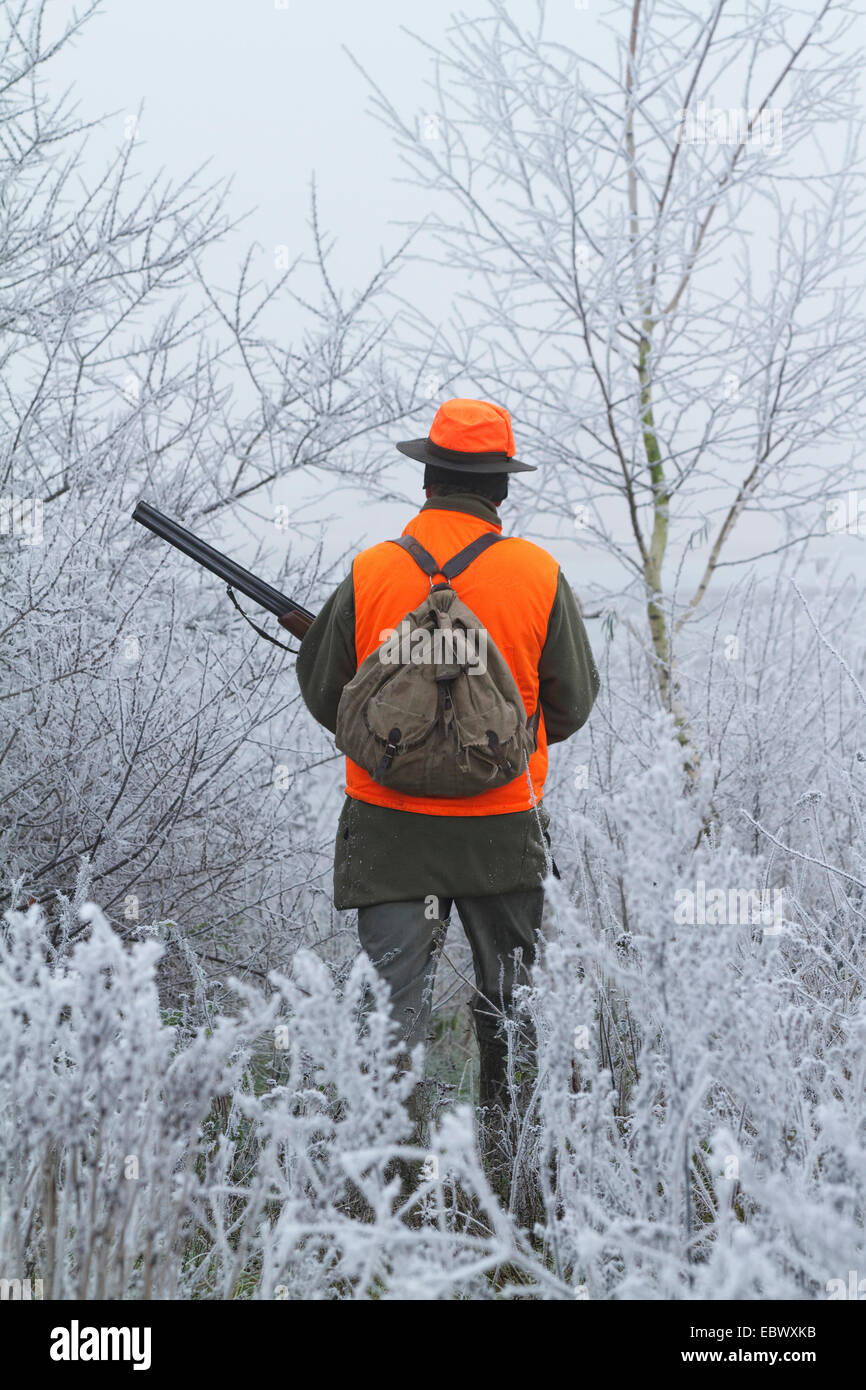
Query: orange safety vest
[510,588]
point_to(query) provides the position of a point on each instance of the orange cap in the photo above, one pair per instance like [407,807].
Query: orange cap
[473,427]
[468,436]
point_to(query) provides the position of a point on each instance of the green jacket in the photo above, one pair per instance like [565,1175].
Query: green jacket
[383,855]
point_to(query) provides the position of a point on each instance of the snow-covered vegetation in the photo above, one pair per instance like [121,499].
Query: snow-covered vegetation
[696,1128]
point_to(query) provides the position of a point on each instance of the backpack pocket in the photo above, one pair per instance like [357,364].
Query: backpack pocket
[406,701]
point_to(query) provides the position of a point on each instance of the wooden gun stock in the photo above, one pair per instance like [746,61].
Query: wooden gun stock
[298,624]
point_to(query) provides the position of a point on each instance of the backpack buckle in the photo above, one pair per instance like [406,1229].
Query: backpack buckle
[392,748]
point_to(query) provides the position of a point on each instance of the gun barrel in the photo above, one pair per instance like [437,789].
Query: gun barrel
[227,570]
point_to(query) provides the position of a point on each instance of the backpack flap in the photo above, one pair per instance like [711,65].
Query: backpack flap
[407,698]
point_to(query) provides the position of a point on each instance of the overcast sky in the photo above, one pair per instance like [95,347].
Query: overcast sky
[268,95]
[265,92]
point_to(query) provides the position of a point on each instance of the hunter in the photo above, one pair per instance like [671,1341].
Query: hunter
[399,850]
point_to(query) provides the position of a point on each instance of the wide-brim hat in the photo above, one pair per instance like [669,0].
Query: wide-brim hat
[468,437]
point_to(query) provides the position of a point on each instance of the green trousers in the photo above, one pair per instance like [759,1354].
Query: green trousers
[404,941]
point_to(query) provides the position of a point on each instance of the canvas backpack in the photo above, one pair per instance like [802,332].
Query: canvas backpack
[435,710]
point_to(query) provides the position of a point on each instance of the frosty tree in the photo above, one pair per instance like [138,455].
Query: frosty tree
[147,733]
[662,249]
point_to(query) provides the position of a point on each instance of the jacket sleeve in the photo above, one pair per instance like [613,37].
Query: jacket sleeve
[326,660]
[567,674]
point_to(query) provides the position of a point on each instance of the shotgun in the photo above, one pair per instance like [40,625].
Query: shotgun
[289,614]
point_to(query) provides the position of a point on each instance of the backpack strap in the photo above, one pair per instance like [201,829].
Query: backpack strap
[463,559]
[457,564]
[423,559]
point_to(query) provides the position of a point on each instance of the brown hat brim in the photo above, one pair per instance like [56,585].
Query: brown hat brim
[462,462]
